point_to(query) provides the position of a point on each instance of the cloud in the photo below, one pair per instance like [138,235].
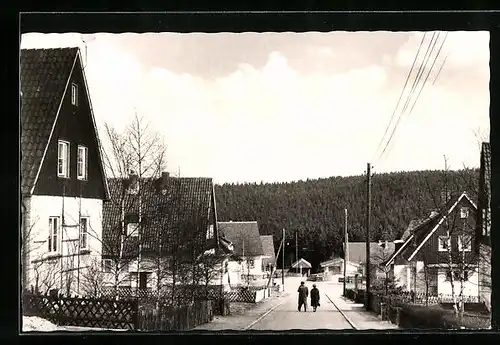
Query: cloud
[465,49]
[272,122]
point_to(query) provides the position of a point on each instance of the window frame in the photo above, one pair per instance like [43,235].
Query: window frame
[134,233]
[469,246]
[84,234]
[64,160]
[83,161]
[464,212]
[54,237]
[440,248]
[74,94]
[210,232]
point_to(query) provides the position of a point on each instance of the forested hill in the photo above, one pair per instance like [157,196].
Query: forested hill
[316,207]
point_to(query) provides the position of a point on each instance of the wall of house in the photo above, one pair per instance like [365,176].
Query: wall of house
[430,248]
[470,286]
[40,260]
[400,275]
[485,274]
[74,124]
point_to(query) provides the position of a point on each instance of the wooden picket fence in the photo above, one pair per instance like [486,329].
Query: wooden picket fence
[176,318]
[83,312]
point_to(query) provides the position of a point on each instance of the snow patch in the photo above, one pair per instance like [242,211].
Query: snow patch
[37,324]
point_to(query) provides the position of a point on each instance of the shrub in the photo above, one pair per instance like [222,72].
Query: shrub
[435,317]
[417,316]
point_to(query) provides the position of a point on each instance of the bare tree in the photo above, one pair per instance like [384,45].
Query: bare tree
[133,159]
[92,278]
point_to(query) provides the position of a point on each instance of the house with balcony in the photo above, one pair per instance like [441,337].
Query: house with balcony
[63,182]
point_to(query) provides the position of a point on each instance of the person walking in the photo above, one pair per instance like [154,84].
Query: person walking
[314,297]
[303,294]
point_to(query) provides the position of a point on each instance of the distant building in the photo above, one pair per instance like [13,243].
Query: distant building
[245,265]
[269,258]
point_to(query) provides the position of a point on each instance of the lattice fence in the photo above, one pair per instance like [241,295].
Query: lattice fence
[83,312]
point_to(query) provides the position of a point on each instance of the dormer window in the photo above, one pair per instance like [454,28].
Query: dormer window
[74,94]
[464,212]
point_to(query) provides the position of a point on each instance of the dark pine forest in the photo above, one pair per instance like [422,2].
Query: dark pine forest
[315,208]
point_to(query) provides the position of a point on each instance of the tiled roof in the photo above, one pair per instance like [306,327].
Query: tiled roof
[242,234]
[175,213]
[268,248]
[427,226]
[378,253]
[43,77]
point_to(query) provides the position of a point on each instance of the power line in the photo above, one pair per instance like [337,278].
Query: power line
[400,96]
[440,68]
[414,86]
[426,77]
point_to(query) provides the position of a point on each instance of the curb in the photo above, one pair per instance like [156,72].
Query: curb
[264,315]
[342,313]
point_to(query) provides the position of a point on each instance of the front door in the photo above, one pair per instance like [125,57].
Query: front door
[143,280]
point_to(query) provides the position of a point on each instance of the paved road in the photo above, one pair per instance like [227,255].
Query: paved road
[287,317]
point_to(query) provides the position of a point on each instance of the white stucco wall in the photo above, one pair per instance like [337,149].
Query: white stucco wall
[400,275]
[43,207]
[471,287]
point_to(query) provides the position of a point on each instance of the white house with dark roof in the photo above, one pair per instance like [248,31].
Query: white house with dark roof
[422,255]
[245,265]
[63,182]
[269,258]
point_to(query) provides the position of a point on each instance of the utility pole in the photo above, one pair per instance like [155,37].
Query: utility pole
[297,245]
[346,250]
[283,262]
[368,216]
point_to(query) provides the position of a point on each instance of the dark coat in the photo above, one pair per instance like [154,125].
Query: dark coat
[314,297]
[303,293]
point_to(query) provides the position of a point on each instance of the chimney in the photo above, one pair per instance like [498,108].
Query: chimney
[163,182]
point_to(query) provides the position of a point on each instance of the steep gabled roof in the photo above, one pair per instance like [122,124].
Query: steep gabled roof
[268,248]
[44,79]
[244,236]
[421,233]
[176,212]
[44,76]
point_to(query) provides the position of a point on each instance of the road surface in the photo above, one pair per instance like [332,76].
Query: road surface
[287,317]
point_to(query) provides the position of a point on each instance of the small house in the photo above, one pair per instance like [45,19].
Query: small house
[302,266]
[245,264]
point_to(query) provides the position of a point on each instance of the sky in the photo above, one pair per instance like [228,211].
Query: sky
[252,107]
